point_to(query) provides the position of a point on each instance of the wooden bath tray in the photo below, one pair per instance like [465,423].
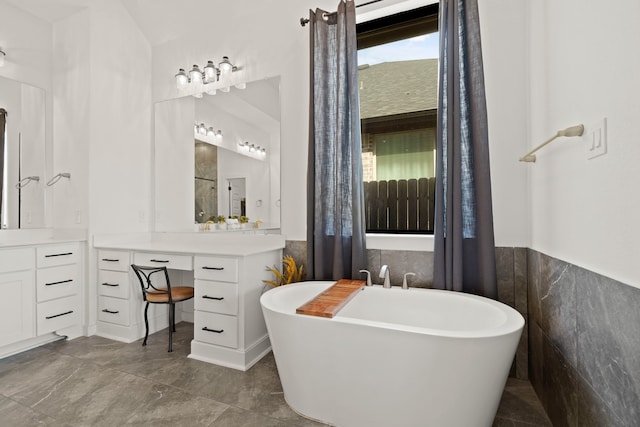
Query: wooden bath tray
[329,302]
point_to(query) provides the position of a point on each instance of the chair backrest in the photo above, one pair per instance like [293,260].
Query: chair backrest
[149,283]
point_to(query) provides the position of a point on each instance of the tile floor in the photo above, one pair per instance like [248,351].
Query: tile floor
[94,381]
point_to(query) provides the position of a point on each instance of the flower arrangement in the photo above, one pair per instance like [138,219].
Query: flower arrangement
[291,273]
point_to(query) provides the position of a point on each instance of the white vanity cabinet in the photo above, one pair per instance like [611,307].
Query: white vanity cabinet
[42,291]
[227,274]
[117,302]
[58,287]
[17,287]
[229,328]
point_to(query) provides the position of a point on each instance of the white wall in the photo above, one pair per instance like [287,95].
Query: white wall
[121,121]
[504,50]
[584,66]
[71,117]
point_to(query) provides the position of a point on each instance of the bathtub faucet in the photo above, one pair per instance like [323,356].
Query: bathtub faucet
[368,277]
[384,274]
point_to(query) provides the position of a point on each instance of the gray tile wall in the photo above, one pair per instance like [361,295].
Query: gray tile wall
[584,344]
[511,270]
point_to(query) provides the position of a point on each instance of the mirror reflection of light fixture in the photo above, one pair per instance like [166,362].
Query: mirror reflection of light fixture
[2,56]
[202,129]
[209,74]
[252,148]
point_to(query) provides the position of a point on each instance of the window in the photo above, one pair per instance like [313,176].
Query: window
[398,78]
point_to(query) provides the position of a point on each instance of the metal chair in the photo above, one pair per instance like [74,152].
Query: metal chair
[154,294]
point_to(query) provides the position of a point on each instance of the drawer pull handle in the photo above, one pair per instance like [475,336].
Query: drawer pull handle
[163,261]
[213,268]
[53,255]
[106,310]
[58,283]
[215,298]
[58,315]
[217,331]
[110,260]
[113,285]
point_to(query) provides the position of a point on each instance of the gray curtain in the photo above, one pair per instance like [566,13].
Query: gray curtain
[3,126]
[335,196]
[464,258]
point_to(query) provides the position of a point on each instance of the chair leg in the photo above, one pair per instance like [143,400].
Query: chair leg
[173,308]
[171,311]
[146,324]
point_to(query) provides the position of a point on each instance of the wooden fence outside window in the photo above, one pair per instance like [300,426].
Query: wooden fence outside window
[400,205]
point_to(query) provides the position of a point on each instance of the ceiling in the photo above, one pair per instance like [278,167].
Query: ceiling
[164,20]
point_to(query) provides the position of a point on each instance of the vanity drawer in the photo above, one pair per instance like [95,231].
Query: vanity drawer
[58,314]
[216,297]
[176,262]
[16,260]
[216,268]
[218,329]
[113,283]
[114,310]
[57,282]
[52,255]
[113,260]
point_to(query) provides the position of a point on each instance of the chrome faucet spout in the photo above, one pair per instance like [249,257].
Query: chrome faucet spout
[384,274]
[368,276]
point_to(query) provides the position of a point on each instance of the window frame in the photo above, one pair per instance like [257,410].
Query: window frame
[386,29]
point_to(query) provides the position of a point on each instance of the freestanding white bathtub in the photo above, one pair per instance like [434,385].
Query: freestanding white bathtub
[393,357]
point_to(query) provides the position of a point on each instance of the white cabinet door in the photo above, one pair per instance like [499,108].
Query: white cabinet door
[17,306]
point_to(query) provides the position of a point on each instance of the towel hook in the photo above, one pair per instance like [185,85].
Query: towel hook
[58,178]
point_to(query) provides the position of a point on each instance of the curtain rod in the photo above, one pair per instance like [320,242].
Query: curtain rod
[305,21]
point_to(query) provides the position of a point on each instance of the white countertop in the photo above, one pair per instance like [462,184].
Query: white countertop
[192,243]
[40,236]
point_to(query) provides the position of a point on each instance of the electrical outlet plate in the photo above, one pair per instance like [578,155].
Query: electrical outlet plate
[597,139]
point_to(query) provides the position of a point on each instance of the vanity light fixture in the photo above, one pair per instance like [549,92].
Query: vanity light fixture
[209,74]
[2,56]
[226,66]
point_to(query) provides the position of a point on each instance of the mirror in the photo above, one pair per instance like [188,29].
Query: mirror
[23,154]
[194,170]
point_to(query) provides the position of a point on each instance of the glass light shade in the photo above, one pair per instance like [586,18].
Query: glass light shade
[181,78]
[225,65]
[202,129]
[195,74]
[219,133]
[210,72]
[210,131]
